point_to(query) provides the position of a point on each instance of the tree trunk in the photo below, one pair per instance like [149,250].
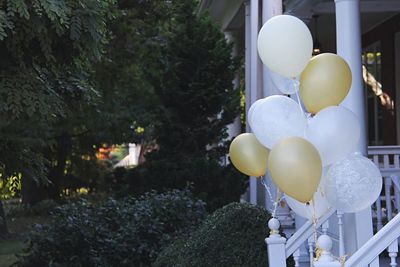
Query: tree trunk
[56,173]
[31,191]
[3,222]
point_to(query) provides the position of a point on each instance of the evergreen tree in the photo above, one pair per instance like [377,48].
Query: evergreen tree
[194,84]
[197,102]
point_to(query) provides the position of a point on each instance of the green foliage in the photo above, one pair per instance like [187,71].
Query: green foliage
[122,76]
[129,232]
[193,84]
[10,187]
[122,97]
[232,236]
[15,209]
[43,74]
[217,185]
[79,73]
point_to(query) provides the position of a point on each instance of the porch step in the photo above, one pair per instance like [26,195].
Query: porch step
[383,262]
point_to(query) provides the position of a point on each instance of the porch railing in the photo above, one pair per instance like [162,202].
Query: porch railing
[388,160]
[387,237]
[386,222]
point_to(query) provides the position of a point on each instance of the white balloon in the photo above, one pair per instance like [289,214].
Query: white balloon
[251,111]
[285,85]
[285,45]
[353,183]
[335,132]
[317,207]
[275,118]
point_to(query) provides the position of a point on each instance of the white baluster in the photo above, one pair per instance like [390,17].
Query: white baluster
[276,244]
[378,201]
[325,227]
[386,162]
[396,161]
[339,215]
[311,249]
[396,182]
[378,213]
[376,160]
[397,199]
[393,249]
[296,258]
[388,197]
[325,259]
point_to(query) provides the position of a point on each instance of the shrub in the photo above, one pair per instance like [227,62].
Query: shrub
[128,232]
[215,184]
[232,236]
[15,208]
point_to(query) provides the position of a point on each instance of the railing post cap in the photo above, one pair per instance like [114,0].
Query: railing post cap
[274,224]
[325,242]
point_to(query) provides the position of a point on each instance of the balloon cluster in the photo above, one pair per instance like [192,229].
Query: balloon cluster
[311,155]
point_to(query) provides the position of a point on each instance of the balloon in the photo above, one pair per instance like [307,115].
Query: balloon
[295,167]
[286,85]
[248,155]
[324,82]
[317,207]
[277,117]
[251,111]
[353,183]
[335,132]
[285,45]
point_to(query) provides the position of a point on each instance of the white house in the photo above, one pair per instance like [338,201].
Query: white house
[132,159]
[367,34]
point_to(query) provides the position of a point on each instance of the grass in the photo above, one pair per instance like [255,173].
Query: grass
[14,244]
[8,250]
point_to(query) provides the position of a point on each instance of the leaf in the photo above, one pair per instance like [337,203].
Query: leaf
[19,7]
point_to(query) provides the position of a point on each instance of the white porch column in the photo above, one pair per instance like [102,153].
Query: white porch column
[348,41]
[357,227]
[397,75]
[247,58]
[271,8]
[247,76]
[252,27]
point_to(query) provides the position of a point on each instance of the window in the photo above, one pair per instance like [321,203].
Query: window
[376,99]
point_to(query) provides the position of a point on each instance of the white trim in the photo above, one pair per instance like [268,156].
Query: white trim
[375,245]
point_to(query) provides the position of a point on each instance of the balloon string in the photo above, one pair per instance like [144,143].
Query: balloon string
[314,222]
[262,178]
[277,200]
[299,101]
[271,198]
[296,85]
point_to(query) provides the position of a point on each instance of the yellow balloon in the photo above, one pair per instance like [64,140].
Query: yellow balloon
[325,81]
[296,168]
[248,155]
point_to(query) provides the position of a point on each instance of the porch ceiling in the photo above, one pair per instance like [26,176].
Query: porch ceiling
[373,12]
[230,15]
